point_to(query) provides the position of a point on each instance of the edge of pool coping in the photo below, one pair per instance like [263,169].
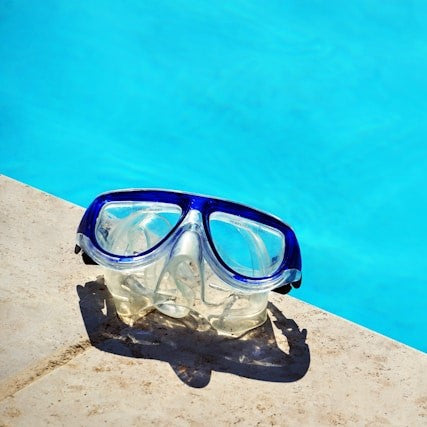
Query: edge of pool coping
[53,355]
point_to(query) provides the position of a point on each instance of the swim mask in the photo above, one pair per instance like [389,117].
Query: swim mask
[189,255]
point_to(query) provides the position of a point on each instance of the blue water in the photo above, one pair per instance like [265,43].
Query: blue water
[315,111]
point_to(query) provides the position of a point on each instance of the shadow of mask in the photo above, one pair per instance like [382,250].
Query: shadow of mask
[192,347]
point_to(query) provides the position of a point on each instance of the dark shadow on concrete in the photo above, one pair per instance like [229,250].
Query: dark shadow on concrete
[194,354]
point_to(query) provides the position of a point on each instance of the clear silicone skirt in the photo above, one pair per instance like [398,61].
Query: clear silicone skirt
[179,291]
[182,278]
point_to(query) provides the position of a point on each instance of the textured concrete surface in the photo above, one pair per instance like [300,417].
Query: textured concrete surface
[65,359]
[37,280]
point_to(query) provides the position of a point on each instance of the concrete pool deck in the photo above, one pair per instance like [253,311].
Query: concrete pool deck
[66,360]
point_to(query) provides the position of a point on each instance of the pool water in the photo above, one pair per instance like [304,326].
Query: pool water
[315,111]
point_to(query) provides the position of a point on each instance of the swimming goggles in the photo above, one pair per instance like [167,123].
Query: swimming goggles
[249,250]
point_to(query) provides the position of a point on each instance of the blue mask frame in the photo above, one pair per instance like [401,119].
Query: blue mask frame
[289,269]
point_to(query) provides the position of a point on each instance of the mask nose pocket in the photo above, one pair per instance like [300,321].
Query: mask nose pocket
[180,280]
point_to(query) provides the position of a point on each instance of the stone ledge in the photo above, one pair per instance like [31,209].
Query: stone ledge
[65,360]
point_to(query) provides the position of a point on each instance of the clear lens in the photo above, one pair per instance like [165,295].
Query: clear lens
[130,228]
[247,247]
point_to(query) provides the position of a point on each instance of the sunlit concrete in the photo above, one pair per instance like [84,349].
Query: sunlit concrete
[66,359]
